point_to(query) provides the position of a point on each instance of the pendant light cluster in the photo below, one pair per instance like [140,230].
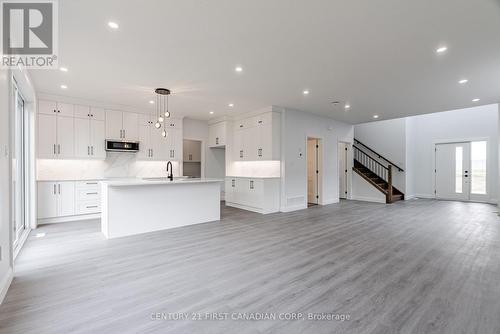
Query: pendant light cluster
[162,109]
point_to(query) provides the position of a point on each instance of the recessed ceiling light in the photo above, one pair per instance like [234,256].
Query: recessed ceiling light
[347,106]
[463,81]
[113,25]
[151,102]
[211,112]
[238,69]
[476,100]
[441,49]
[40,235]
[230,105]
[64,87]
[63,69]
[305,92]
[375,116]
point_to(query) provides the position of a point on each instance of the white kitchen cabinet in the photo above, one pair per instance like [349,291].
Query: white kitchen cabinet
[130,126]
[152,145]
[254,194]
[53,107]
[174,143]
[87,197]
[56,199]
[55,136]
[47,136]
[87,112]
[122,125]
[257,138]
[47,199]
[217,134]
[89,138]
[114,124]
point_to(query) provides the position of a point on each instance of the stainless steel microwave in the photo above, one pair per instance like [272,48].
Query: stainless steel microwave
[122,146]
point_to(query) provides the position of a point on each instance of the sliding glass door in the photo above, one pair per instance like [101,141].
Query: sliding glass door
[20,159]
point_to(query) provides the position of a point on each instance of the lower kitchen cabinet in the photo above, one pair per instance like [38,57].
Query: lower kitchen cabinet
[254,194]
[56,199]
[69,199]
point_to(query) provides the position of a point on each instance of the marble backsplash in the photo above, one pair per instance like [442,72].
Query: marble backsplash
[115,165]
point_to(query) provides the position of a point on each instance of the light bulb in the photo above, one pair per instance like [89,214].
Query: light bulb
[160,119]
[167,114]
[164,133]
[157,125]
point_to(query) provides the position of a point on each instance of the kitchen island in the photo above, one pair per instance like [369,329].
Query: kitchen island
[144,205]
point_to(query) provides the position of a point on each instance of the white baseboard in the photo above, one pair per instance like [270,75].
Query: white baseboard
[249,208]
[367,199]
[427,196]
[5,284]
[330,201]
[293,208]
[57,220]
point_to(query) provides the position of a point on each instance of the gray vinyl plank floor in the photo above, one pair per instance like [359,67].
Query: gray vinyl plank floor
[419,266]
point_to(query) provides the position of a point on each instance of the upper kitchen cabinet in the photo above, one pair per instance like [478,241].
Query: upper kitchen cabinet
[87,112]
[217,134]
[152,145]
[257,138]
[55,130]
[122,125]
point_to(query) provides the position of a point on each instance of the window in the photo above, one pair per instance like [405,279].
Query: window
[478,167]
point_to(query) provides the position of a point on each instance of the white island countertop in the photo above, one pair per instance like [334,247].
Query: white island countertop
[156,181]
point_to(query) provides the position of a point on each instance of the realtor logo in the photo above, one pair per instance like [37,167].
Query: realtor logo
[29,34]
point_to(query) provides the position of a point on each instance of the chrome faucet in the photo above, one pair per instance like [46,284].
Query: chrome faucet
[171,175]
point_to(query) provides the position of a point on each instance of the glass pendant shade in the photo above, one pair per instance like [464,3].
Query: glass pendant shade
[164,133]
[157,125]
[167,114]
[160,119]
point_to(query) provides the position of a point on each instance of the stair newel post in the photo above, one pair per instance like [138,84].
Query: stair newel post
[389,181]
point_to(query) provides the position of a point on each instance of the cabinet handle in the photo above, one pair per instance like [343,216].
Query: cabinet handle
[152,154]
[88,150]
[91,206]
[59,188]
[54,188]
[190,157]
[241,125]
[251,184]
[90,183]
[217,140]
[59,111]
[241,154]
[233,183]
[260,122]
[55,110]
[259,152]
[124,135]
[54,148]
[58,148]
[92,193]
[88,115]
[92,149]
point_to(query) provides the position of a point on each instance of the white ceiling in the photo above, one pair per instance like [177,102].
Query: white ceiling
[378,55]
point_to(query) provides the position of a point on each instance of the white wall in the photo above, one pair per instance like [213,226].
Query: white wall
[5,222]
[364,191]
[476,123]
[296,127]
[387,138]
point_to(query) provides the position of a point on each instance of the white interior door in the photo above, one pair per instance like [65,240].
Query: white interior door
[453,162]
[343,168]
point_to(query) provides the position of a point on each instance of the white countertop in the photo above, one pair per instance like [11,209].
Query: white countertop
[155,181]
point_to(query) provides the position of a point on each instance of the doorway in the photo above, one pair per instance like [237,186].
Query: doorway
[313,171]
[343,154]
[461,171]
[21,139]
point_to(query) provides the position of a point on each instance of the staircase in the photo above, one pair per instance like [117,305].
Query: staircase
[377,170]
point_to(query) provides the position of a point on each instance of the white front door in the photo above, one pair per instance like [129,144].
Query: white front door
[453,171]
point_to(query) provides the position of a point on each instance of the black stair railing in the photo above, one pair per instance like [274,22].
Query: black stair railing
[362,146]
[383,172]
